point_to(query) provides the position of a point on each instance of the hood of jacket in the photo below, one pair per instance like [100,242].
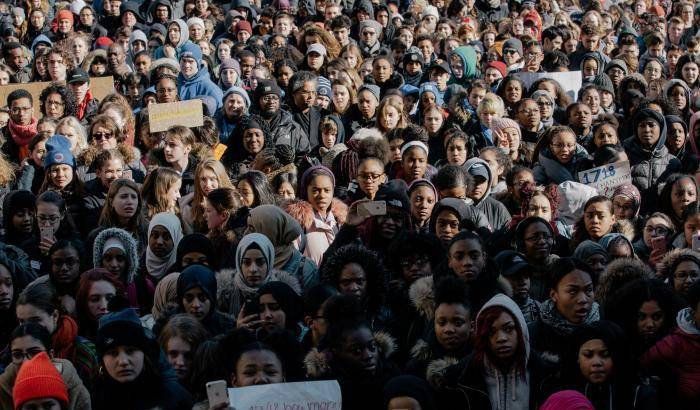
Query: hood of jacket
[691,134]
[673,258]
[184,33]
[455,205]
[318,363]
[596,56]
[422,297]
[468,57]
[130,247]
[469,164]
[573,196]
[618,272]
[508,304]
[341,129]
[632,144]
[41,38]
[686,323]
[166,3]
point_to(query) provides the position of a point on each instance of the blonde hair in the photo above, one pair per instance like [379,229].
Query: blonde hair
[82,144]
[491,103]
[7,171]
[213,165]
[354,49]
[390,102]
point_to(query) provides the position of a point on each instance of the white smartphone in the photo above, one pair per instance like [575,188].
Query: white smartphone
[371,208]
[46,232]
[217,392]
[696,242]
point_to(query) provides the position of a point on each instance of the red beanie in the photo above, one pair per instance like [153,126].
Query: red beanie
[38,379]
[103,43]
[64,14]
[244,26]
[498,65]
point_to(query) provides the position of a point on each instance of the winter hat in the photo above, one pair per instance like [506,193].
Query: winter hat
[171,63]
[432,88]
[113,243]
[121,328]
[588,248]
[324,87]
[317,169]
[228,64]
[409,386]
[195,242]
[371,23]
[422,182]
[37,378]
[15,201]
[604,83]
[58,152]
[408,89]
[195,21]
[64,14]
[498,65]
[374,89]
[19,11]
[244,25]
[394,193]
[674,119]
[522,227]
[132,7]
[632,192]
[103,43]
[158,28]
[191,50]
[514,44]
[500,124]
[317,48]
[413,54]
[641,115]
[197,276]
[430,11]
[76,6]
[238,90]
[266,87]
[567,399]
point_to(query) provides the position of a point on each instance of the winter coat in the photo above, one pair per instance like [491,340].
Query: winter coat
[549,170]
[650,167]
[132,158]
[319,236]
[496,213]
[198,85]
[469,215]
[78,395]
[232,291]
[473,385]
[358,392]
[469,64]
[353,120]
[285,131]
[31,177]
[678,354]
[309,124]
[94,201]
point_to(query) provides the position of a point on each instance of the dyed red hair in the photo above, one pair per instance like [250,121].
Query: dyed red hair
[482,346]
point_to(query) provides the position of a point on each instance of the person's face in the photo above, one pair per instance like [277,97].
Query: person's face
[595,361]
[305,97]
[368,35]
[529,115]
[683,192]
[61,175]
[174,34]
[115,261]
[679,100]
[685,274]
[142,64]
[101,292]
[258,367]
[330,12]
[103,138]
[648,132]
[652,71]
[54,106]
[481,186]
[590,42]
[123,363]
[540,206]
[390,224]
[358,351]
[422,203]
[48,215]
[367,104]
[23,347]
[457,151]
[382,70]
[270,104]
[179,354]
[503,337]
[195,257]
[466,258]
[689,72]
[7,290]
[286,191]
[370,175]
[197,32]
[21,111]
[125,202]
[389,117]
[365,69]
[115,56]
[213,217]
[605,135]
[247,193]
[598,220]
[433,121]
[208,181]
[188,66]
[31,314]
[650,321]
[511,56]
[538,241]
[553,44]
[573,296]
[16,58]
[655,227]
[492,75]
[690,227]
[590,67]
[563,147]
[37,19]
[395,149]
[65,265]
[162,13]
[452,326]
[415,162]
[196,302]
[254,267]
[353,280]
[175,150]
[271,313]
[166,91]
[514,92]
[581,116]
[616,75]
[440,77]
[476,95]
[64,26]
[676,137]
[320,193]
[23,221]
[160,242]
[486,117]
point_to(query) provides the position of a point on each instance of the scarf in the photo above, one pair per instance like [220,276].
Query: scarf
[686,323]
[280,228]
[22,135]
[80,111]
[165,296]
[551,317]
[158,266]
[63,339]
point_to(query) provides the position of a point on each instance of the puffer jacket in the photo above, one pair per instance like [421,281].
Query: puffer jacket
[198,85]
[650,167]
[285,131]
[548,170]
[496,213]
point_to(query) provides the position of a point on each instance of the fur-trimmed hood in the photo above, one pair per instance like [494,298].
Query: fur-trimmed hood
[130,248]
[422,297]
[130,154]
[617,273]
[672,259]
[459,114]
[318,363]
[437,370]
[626,228]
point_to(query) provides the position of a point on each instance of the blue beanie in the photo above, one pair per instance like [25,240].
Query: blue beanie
[58,152]
[191,50]
[121,328]
[324,87]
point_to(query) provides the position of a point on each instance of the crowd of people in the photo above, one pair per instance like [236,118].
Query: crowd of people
[391,194]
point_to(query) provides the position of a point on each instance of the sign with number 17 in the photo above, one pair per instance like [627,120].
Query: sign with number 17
[607,177]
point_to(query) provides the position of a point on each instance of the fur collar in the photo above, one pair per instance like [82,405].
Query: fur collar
[436,373]
[130,154]
[669,260]
[421,295]
[619,272]
[626,228]
[318,363]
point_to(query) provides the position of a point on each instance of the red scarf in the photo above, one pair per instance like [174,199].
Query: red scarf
[22,135]
[63,339]
[80,112]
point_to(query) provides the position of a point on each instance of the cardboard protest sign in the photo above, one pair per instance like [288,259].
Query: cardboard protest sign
[570,80]
[319,395]
[99,86]
[607,177]
[186,113]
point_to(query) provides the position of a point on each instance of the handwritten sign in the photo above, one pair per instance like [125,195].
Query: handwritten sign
[607,177]
[570,81]
[99,86]
[320,395]
[186,113]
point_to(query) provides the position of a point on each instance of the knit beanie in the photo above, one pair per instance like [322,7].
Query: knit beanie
[498,65]
[244,26]
[64,14]
[266,87]
[238,90]
[192,51]
[230,63]
[103,43]
[195,20]
[374,89]
[121,328]
[39,379]
[15,201]
[514,44]
[58,152]
[371,23]
[324,87]
[500,124]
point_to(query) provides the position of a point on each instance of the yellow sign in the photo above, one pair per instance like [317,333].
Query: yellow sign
[186,113]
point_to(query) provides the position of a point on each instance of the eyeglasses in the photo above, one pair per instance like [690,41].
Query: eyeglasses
[544,103]
[49,218]
[54,103]
[539,237]
[683,276]
[417,261]
[509,51]
[562,146]
[368,33]
[656,230]
[369,177]
[270,98]
[530,111]
[20,355]
[98,136]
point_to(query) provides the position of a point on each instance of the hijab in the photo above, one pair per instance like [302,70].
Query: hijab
[265,246]
[158,266]
[280,228]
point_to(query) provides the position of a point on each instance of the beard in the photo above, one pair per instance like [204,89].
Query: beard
[268,113]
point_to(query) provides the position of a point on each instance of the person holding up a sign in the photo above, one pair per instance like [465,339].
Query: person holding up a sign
[649,158]
[558,155]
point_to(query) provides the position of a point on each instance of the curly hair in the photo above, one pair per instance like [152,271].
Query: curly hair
[528,192]
[69,103]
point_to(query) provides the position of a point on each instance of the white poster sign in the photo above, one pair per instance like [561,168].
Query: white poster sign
[607,177]
[570,80]
[318,395]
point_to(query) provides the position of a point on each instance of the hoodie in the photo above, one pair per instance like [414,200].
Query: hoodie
[199,85]
[468,57]
[549,170]
[694,143]
[184,38]
[496,213]
[470,217]
[650,166]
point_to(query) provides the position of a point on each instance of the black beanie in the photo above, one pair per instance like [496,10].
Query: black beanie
[395,193]
[15,201]
[196,242]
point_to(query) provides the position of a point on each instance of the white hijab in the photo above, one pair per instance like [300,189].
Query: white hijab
[157,266]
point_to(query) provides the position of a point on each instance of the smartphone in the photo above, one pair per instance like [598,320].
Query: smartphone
[126,174]
[252,306]
[659,244]
[371,208]
[217,392]
[696,241]
[46,232]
